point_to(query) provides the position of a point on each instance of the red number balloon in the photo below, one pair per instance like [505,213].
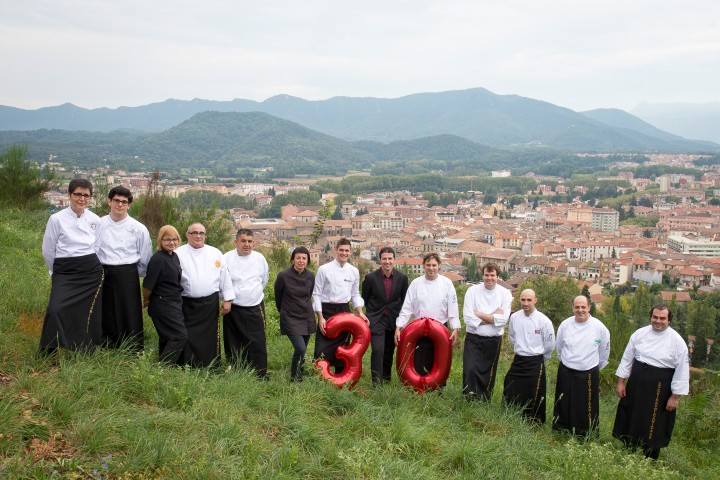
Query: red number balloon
[405,360]
[351,354]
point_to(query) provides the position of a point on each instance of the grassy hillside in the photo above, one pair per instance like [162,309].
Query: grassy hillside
[111,415]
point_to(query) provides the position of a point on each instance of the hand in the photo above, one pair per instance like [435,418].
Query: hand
[146,303]
[500,311]
[672,403]
[321,324]
[397,335]
[620,388]
[453,336]
[226,307]
[362,315]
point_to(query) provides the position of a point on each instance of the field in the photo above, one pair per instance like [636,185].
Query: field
[113,415]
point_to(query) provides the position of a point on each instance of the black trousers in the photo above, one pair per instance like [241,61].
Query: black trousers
[167,316]
[122,319]
[299,343]
[202,321]
[381,358]
[244,337]
[327,347]
[480,360]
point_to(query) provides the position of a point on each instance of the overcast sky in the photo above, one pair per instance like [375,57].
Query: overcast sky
[576,54]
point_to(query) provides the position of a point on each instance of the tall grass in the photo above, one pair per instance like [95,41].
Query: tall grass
[111,414]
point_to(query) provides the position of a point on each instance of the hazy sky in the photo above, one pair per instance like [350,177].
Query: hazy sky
[577,54]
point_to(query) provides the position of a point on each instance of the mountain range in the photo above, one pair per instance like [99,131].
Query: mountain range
[478,115]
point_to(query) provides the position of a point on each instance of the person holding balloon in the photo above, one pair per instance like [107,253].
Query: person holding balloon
[432,296]
[336,284]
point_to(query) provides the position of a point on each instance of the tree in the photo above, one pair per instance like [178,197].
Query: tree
[305,198]
[337,214]
[640,305]
[218,224]
[471,265]
[155,208]
[22,184]
[324,213]
[701,323]
[555,296]
[620,329]
[586,293]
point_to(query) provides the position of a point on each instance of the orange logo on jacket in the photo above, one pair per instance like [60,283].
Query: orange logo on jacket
[217,263]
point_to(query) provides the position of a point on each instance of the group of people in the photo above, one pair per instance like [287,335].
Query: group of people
[96,299]
[96,265]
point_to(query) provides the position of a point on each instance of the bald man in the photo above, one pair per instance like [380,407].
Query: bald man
[532,336]
[205,279]
[583,349]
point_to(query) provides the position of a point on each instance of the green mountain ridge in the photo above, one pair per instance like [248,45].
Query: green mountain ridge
[475,114]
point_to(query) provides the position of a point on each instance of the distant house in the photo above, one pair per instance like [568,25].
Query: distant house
[680,297]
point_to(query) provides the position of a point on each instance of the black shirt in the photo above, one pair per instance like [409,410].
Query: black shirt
[293,299]
[163,275]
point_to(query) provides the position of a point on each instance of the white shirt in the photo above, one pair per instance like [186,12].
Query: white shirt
[335,283]
[582,346]
[532,335]
[434,299]
[479,298]
[123,243]
[204,272]
[67,235]
[249,276]
[665,349]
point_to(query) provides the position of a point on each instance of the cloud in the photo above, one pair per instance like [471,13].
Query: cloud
[614,53]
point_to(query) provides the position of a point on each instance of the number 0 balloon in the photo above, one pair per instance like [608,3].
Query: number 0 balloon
[405,360]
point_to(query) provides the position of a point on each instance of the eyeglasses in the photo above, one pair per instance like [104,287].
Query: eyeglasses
[170,240]
[199,234]
[117,201]
[86,196]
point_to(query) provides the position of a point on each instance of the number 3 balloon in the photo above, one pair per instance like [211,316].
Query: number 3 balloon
[351,354]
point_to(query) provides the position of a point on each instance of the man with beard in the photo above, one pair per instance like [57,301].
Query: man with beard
[656,367]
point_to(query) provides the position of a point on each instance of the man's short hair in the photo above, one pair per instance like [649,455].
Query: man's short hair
[300,250]
[244,231]
[431,255]
[122,191]
[386,250]
[76,183]
[343,241]
[662,306]
[492,267]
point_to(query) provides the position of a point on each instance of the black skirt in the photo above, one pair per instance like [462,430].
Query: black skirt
[74,316]
[525,386]
[122,307]
[641,419]
[202,321]
[576,400]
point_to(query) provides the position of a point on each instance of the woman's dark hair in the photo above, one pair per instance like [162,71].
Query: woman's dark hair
[300,250]
[76,183]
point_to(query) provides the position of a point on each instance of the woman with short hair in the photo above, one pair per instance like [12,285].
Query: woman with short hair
[162,296]
[293,299]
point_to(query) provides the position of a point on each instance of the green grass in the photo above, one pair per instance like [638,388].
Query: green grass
[115,415]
